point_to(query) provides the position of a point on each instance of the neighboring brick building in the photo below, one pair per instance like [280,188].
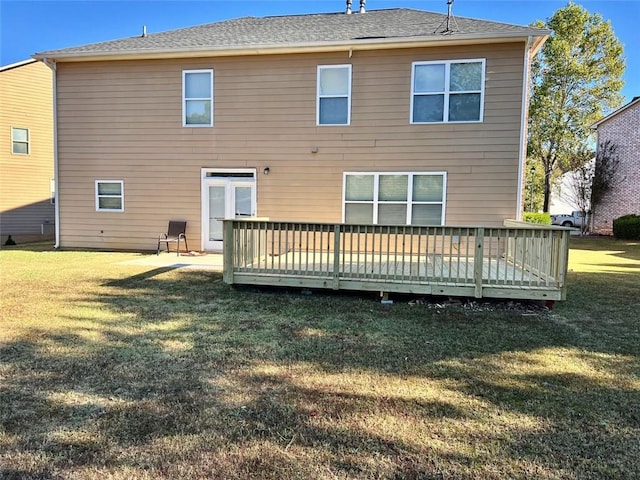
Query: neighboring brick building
[622,128]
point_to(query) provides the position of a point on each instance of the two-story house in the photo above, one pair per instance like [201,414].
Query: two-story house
[383,117]
[26,152]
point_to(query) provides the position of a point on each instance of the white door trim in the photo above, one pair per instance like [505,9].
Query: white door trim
[207,177]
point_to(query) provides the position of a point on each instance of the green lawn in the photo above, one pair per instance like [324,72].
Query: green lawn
[112,371]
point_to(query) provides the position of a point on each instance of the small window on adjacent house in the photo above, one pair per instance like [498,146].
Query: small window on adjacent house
[197,98]
[20,141]
[334,95]
[110,195]
[451,91]
[391,198]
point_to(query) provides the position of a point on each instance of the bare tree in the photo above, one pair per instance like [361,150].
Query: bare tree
[579,180]
[605,173]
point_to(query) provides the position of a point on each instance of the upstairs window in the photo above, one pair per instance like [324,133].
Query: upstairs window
[20,141]
[197,98]
[451,91]
[391,198]
[109,196]
[334,95]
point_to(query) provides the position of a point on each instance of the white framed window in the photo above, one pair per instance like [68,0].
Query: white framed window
[20,141]
[197,98]
[334,95]
[109,195]
[447,91]
[394,198]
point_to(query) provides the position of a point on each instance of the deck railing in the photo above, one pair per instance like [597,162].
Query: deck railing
[514,261]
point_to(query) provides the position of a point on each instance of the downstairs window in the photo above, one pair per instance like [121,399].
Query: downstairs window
[392,198]
[109,196]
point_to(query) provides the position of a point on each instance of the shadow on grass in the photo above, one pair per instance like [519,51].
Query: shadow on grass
[41,246]
[194,379]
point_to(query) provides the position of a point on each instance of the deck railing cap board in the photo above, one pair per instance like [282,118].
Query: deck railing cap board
[508,224]
[537,226]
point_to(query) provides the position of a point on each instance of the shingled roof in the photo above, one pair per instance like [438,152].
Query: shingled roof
[321,31]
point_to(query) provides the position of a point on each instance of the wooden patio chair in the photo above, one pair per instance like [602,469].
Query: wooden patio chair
[175,233]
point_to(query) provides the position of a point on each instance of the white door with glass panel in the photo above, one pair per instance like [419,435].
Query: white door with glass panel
[225,198]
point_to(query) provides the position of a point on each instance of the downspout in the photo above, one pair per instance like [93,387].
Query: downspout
[52,65]
[522,154]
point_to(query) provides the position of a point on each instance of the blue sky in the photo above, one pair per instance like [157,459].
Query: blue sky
[30,26]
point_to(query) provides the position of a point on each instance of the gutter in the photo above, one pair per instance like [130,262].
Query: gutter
[52,65]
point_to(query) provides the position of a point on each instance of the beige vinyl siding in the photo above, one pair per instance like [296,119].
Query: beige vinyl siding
[26,101]
[123,121]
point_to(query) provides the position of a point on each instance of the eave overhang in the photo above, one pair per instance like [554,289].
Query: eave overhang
[279,49]
[616,112]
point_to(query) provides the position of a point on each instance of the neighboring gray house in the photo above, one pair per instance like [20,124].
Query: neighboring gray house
[622,128]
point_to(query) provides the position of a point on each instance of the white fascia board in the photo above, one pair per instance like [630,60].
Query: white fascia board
[18,64]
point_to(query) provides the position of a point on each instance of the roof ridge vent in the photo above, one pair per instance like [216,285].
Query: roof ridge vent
[362,4]
[449,22]
[348,12]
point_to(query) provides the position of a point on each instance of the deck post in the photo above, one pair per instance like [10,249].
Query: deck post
[563,264]
[336,257]
[477,263]
[227,252]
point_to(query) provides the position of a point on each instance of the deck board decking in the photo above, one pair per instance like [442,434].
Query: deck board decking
[518,261]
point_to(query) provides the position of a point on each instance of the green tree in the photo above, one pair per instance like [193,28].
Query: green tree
[576,78]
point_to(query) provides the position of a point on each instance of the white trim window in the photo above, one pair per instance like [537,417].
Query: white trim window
[394,198]
[20,141]
[334,95]
[109,196]
[447,91]
[197,98]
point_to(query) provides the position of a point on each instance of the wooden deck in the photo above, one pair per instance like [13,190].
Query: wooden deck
[516,261]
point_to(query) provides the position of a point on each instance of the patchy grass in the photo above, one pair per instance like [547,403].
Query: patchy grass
[112,371]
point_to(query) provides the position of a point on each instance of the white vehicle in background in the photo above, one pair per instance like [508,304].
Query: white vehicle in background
[575,220]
